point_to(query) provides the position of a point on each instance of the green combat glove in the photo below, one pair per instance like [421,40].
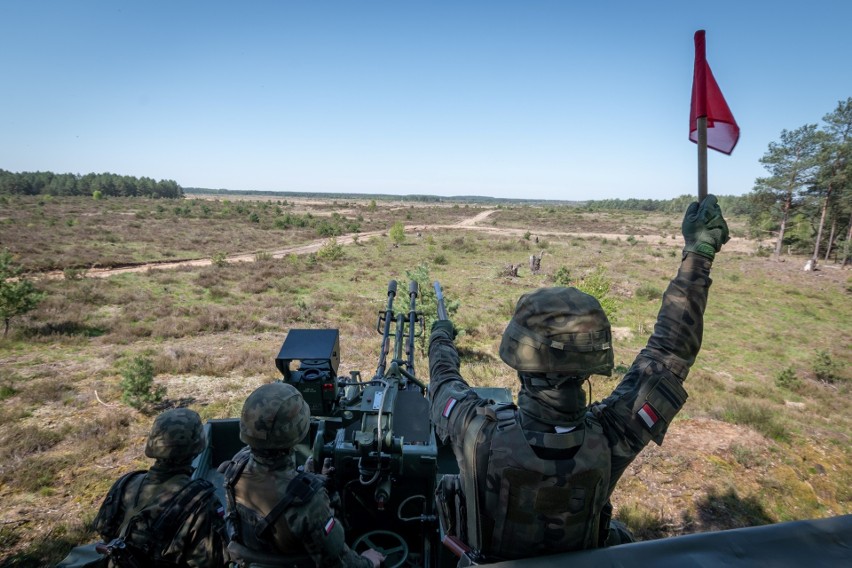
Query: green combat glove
[445,325]
[704,229]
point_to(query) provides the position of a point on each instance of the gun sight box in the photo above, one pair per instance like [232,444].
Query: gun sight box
[318,354]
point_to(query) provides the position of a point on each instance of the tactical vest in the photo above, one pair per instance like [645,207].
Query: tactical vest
[158,527]
[520,505]
[249,528]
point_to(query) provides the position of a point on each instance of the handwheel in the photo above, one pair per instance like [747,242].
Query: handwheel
[388,543]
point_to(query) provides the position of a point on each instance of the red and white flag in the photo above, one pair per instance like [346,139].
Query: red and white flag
[707,100]
[329,526]
[648,415]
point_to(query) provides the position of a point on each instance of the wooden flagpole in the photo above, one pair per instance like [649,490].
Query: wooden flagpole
[702,158]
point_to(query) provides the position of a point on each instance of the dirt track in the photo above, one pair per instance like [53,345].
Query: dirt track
[469,224]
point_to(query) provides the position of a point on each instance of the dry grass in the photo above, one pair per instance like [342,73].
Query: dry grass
[44,232]
[213,333]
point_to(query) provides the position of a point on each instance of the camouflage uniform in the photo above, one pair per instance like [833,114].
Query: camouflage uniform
[574,470]
[272,507]
[138,500]
[304,527]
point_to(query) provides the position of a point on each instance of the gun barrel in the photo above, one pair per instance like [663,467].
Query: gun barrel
[442,308]
[399,335]
[388,319]
[413,290]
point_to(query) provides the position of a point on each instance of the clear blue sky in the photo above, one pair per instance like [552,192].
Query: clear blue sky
[542,99]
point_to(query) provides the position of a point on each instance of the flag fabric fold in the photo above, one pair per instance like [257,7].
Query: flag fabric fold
[707,100]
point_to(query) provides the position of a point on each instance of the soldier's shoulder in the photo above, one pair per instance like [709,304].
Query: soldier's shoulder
[306,486]
[242,456]
[308,492]
[311,512]
[126,484]
[173,484]
[130,477]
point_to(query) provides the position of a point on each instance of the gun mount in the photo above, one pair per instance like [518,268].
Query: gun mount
[375,433]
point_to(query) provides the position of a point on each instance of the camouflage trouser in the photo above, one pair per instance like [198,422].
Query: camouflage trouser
[618,534]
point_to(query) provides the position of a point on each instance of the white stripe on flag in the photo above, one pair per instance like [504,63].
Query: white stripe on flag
[329,526]
[646,413]
[448,408]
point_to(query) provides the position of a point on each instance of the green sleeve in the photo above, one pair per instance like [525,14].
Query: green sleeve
[453,402]
[659,370]
[315,525]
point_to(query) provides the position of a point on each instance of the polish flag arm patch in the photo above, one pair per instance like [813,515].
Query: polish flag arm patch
[329,526]
[648,415]
[448,408]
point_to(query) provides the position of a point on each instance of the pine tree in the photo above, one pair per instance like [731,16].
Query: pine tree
[792,164]
[17,294]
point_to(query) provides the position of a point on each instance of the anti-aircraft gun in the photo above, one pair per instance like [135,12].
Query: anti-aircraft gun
[375,433]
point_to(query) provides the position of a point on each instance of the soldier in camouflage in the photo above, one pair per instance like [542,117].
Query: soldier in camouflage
[536,478]
[161,517]
[276,513]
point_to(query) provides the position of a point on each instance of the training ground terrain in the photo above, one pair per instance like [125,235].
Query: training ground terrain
[204,290]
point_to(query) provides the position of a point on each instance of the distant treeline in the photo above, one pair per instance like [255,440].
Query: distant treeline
[479,199]
[113,185]
[730,204]
[100,185]
[313,194]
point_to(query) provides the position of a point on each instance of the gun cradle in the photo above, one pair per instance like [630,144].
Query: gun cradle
[377,435]
[385,458]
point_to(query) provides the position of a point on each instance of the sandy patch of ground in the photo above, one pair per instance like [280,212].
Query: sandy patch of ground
[739,245]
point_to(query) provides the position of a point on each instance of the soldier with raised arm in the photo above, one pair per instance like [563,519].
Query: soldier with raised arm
[537,477]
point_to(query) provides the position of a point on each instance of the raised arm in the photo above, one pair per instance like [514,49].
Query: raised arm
[453,402]
[651,393]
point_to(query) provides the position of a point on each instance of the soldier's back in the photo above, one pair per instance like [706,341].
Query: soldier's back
[165,517]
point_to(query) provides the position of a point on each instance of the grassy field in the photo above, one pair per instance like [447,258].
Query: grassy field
[764,437]
[78,232]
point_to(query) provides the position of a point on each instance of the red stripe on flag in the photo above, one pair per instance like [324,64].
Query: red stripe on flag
[329,526]
[648,415]
[448,408]
[707,100]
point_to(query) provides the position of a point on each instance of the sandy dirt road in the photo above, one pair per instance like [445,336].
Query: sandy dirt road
[469,224]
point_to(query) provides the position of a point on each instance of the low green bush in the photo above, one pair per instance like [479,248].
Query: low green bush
[331,250]
[562,277]
[761,417]
[787,379]
[137,384]
[826,369]
[648,292]
[220,259]
[598,284]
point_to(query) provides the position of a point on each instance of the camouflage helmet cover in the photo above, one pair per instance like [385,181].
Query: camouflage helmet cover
[558,330]
[176,434]
[274,416]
